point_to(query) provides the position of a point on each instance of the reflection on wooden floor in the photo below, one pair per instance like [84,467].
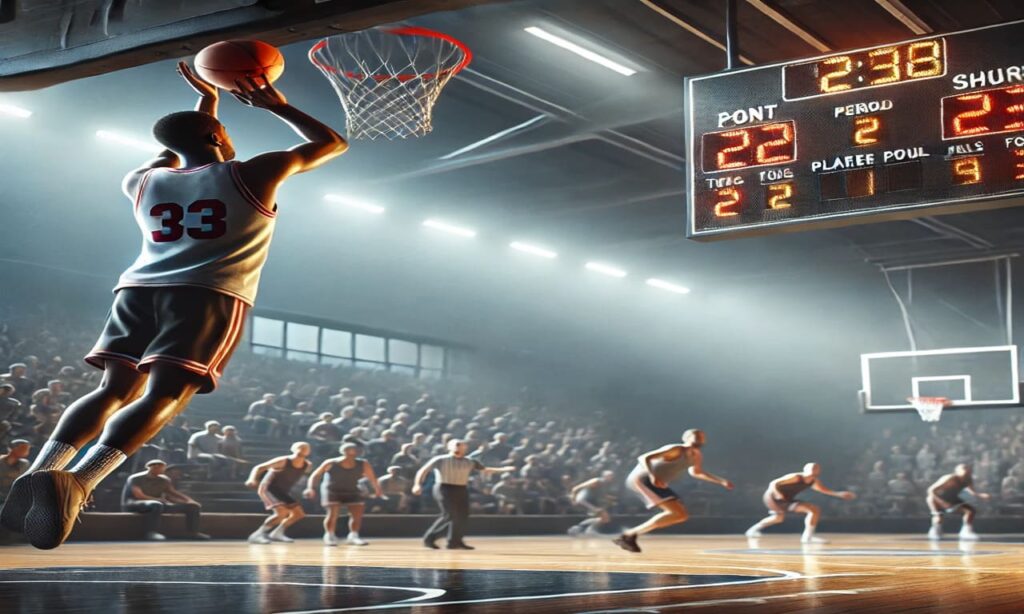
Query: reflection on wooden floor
[539,574]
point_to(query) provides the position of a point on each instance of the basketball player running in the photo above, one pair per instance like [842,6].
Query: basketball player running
[944,498]
[652,476]
[781,498]
[178,312]
[341,488]
[280,475]
[592,495]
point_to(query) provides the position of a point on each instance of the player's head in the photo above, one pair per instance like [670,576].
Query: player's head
[607,476]
[457,447]
[301,449]
[156,467]
[212,426]
[694,438]
[812,470]
[963,470]
[193,133]
[20,448]
[349,450]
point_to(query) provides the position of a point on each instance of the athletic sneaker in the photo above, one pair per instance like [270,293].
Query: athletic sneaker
[153,536]
[57,499]
[19,500]
[627,542]
[812,539]
[277,535]
[460,546]
[259,537]
[355,540]
[967,534]
[753,533]
[330,539]
[575,531]
[935,534]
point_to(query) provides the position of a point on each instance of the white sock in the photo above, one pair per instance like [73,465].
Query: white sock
[53,455]
[99,462]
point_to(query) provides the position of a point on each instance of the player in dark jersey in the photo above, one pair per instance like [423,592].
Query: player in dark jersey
[944,498]
[179,309]
[592,495]
[280,475]
[781,497]
[650,480]
[341,488]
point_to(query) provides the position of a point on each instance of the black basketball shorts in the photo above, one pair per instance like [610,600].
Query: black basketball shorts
[196,329]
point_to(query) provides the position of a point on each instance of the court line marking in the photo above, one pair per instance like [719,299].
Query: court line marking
[786,575]
[427,593]
[738,600]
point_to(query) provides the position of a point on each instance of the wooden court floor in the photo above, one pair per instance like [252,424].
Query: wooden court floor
[853,573]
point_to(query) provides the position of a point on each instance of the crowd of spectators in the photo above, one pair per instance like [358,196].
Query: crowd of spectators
[400,422]
[896,468]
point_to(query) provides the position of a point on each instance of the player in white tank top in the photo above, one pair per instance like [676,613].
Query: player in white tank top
[200,227]
[179,309]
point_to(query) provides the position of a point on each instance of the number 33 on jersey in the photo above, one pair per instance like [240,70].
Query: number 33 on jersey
[200,227]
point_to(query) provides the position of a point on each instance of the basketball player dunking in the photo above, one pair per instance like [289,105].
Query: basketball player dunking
[944,498]
[178,312]
[781,498]
[274,481]
[652,476]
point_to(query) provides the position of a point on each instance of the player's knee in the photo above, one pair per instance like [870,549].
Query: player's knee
[778,516]
[813,510]
[298,512]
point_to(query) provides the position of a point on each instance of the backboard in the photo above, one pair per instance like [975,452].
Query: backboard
[976,377]
[45,43]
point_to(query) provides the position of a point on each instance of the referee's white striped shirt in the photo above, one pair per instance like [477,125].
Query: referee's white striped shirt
[451,470]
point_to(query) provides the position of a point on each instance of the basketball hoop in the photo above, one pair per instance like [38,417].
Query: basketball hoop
[388,79]
[929,408]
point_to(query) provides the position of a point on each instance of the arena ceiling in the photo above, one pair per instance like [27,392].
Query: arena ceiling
[533,143]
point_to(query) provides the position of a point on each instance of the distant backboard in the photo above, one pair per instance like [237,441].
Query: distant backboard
[44,42]
[975,377]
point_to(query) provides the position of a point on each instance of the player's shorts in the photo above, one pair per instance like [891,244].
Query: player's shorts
[335,497]
[276,497]
[196,329]
[592,504]
[653,496]
[939,506]
[779,506]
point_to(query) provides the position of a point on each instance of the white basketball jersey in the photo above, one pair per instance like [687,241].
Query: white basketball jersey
[200,227]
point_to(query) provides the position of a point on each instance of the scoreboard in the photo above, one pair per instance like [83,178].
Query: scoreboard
[923,127]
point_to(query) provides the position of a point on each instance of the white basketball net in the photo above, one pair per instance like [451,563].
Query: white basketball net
[929,408]
[389,79]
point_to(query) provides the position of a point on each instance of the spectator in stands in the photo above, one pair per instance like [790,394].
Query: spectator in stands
[231,445]
[13,464]
[23,386]
[151,493]
[262,416]
[344,398]
[395,487]
[499,446]
[204,448]
[381,450]
[324,435]
[321,400]
[301,419]
[10,407]
[1012,490]
[346,420]
[878,480]
[406,459]
[510,492]
[60,397]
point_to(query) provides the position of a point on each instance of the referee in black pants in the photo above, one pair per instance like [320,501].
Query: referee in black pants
[451,474]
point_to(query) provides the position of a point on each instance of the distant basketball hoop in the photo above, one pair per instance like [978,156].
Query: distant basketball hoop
[929,408]
[389,79]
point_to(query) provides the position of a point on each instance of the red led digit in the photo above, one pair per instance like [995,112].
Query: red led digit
[887,62]
[779,195]
[845,67]
[763,156]
[967,171]
[1014,111]
[729,201]
[982,104]
[866,130]
[723,160]
[1018,167]
[924,59]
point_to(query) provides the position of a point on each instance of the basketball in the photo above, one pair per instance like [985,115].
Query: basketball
[227,61]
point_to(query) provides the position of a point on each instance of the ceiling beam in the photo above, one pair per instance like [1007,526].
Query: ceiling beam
[782,17]
[906,16]
[694,29]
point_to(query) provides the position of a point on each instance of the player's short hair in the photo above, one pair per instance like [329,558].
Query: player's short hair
[347,446]
[298,445]
[184,130]
[155,461]
[19,442]
[210,423]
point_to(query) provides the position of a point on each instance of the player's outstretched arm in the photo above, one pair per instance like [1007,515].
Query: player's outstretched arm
[322,142]
[697,471]
[825,490]
[260,469]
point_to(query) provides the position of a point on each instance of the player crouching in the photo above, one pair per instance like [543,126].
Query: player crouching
[781,498]
[944,498]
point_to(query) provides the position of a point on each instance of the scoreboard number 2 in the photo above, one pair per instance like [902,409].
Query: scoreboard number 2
[728,202]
